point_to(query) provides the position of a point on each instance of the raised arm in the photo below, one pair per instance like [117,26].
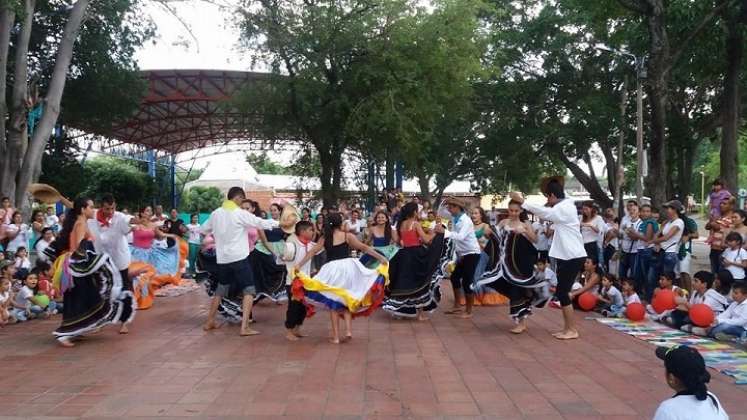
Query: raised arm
[249,220]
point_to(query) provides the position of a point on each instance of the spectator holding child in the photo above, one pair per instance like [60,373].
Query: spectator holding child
[17,233]
[22,261]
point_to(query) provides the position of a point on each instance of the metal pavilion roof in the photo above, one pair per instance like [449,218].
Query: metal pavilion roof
[186,109]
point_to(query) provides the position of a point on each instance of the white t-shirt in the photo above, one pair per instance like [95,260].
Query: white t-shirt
[4,297]
[23,263]
[549,276]
[736,256]
[588,233]
[671,245]
[22,297]
[687,407]
[632,299]
[194,233]
[21,240]
[614,296]
[356,227]
[629,245]
[543,244]
[614,241]
[51,220]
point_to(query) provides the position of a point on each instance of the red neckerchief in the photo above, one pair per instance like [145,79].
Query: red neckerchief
[304,241]
[103,221]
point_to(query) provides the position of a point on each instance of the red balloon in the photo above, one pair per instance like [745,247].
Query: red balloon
[701,315]
[635,312]
[587,301]
[664,301]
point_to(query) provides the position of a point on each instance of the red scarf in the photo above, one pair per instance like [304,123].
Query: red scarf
[303,241]
[103,221]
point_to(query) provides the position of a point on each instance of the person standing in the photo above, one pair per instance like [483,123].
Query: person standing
[230,225]
[628,243]
[567,245]
[110,229]
[467,251]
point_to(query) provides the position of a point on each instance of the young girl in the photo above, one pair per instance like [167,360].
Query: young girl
[610,298]
[734,258]
[628,290]
[5,299]
[666,282]
[590,277]
[343,285]
[22,260]
[25,303]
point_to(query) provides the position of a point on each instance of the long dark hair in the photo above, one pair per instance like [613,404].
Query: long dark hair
[387,225]
[257,210]
[483,216]
[409,210]
[71,216]
[332,222]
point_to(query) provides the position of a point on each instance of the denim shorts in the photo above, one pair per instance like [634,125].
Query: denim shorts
[235,276]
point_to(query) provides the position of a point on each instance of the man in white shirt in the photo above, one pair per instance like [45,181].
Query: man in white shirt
[467,251]
[110,229]
[567,245]
[230,225]
[355,225]
[628,245]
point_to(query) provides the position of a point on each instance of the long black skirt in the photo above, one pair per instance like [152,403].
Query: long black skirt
[269,277]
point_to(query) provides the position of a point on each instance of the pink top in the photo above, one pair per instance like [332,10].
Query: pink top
[253,237]
[143,238]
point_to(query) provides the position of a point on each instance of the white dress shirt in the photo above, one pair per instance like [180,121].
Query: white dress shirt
[230,228]
[112,239]
[567,243]
[735,314]
[629,245]
[463,236]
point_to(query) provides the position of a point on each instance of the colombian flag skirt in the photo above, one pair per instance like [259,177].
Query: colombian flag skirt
[342,285]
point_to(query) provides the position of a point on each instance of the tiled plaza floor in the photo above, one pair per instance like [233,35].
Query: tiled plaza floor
[168,367]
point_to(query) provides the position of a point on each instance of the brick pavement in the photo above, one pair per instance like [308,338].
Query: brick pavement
[449,368]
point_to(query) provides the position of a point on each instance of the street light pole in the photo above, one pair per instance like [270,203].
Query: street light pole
[702,192]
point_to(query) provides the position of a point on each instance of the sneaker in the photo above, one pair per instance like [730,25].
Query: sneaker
[605,313]
[699,331]
[688,328]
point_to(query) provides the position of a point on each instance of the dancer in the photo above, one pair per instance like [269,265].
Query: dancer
[299,244]
[567,246]
[382,238]
[110,229]
[229,226]
[412,291]
[467,252]
[486,237]
[269,276]
[90,283]
[343,284]
[144,233]
[514,274]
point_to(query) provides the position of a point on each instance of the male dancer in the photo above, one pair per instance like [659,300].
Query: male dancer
[467,252]
[230,228]
[567,245]
[110,229]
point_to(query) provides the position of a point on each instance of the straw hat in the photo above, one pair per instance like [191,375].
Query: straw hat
[546,181]
[47,194]
[456,202]
[288,219]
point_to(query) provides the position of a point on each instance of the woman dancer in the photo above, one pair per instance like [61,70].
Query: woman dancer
[514,275]
[488,258]
[412,291]
[269,277]
[164,260]
[318,260]
[90,283]
[382,238]
[343,285]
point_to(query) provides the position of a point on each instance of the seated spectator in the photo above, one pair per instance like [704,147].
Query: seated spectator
[732,323]
[5,300]
[611,301]
[51,220]
[47,237]
[590,278]
[25,303]
[22,261]
[687,376]
[628,292]
[666,282]
[734,258]
[702,293]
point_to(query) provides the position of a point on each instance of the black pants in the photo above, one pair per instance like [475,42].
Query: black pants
[715,257]
[464,273]
[567,272]
[296,312]
[126,280]
[592,251]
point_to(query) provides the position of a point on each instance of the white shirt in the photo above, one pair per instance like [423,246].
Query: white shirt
[23,296]
[543,244]
[463,236]
[112,239]
[51,220]
[629,244]
[687,407]
[550,277]
[671,245]
[614,295]
[614,241]
[632,299]
[355,227]
[21,240]
[298,255]
[588,233]
[194,234]
[230,228]
[567,243]
[41,245]
[23,263]
[735,256]
[735,314]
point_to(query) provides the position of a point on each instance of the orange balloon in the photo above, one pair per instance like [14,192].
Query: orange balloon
[664,301]
[587,301]
[701,315]
[635,312]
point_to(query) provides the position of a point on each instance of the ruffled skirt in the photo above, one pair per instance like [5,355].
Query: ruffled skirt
[269,276]
[343,285]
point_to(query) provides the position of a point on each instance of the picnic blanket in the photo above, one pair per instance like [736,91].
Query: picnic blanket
[720,356]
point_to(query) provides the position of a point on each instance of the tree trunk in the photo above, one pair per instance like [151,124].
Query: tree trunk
[17,134]
[7,17]
[424,181]
[32,160]
[685,171]
[610,166]
[591,184]
[729,133]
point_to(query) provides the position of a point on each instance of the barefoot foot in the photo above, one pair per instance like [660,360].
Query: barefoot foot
[124,329]
[518,329]
[291,336]
[210,325]
[567,335]
[334,340]
[65,342]
[466,315]
[246,332]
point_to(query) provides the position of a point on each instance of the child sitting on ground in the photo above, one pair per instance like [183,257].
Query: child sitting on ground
[26,305]
[732,323]
[22,261]
[590,278]
[296,312]
[5,299]
[702,292]
[734,258]
[610,299]
[666,282]
[544,272]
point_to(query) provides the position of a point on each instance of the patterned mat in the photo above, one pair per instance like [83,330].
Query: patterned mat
[184,287]
[720,356]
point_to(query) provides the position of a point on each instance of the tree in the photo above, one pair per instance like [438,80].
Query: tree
[43,57]
[130,185]
[202,199]
[264,165]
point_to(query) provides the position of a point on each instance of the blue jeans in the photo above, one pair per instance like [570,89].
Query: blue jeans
[668,261]
[728,329]
[646,273]
[21,315]
[627,265]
